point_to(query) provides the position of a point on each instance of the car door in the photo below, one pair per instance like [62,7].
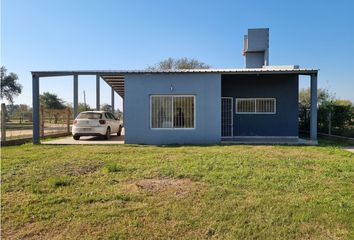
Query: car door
[115,122]
[109,121]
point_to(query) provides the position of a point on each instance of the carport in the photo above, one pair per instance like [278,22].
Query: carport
[115,79]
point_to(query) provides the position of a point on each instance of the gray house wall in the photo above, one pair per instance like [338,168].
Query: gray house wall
[254,59]
[205,87]
[282,87]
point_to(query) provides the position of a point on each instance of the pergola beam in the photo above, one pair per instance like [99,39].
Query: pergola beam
[113,78]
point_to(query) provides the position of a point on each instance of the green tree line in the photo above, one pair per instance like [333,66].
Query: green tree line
[335,116]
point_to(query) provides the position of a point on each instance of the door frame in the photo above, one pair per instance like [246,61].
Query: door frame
[232,117]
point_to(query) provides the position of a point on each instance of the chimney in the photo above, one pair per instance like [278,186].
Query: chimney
[256,48]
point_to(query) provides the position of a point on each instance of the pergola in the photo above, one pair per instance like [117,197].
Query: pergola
[115,79]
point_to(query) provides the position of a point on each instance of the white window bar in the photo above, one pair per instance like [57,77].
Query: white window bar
[172,111]
[255,106]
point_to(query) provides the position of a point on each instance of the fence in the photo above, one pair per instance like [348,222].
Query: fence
[332,120]
[53,122]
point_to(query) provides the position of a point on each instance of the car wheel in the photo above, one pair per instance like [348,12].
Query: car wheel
[76,137]
[108,133]
[119,131]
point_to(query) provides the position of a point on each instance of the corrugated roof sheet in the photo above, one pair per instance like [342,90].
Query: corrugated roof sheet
[215,70]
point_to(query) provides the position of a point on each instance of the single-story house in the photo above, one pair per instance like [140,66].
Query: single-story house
[205,106]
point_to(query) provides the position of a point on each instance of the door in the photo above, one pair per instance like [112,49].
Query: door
[226,117]
[115,122]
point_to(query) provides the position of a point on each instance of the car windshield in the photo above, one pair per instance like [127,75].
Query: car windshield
[89,115]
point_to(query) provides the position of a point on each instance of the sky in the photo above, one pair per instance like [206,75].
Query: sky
[113,34]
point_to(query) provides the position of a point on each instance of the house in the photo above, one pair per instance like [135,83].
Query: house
[207,106]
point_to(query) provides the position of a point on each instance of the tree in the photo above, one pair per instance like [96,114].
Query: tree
[106,107]
[10,88]
[51,101]
[334,115]
[323,95]
[81,107]
[18,111]
[84,107]
[181,63]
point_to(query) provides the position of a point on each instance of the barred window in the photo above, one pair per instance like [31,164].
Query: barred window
[172,111]
[255,105]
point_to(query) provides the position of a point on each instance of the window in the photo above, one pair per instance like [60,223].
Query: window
[255,105]
[107,116]
[112,116]
[89,115]
[172,111]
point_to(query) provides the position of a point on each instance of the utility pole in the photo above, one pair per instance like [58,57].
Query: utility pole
[85,101]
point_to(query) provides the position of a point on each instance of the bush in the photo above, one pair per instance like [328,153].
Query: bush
[338,114]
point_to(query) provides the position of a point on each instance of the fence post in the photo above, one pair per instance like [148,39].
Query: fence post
[68,119]
[330,122]
[42,121]
[3,122]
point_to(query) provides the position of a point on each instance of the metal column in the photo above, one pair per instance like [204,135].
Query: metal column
[76,95]
[112,100]
[97,92]
[35,109]
[313,111]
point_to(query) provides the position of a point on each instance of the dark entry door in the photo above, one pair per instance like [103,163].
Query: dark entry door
[226,117]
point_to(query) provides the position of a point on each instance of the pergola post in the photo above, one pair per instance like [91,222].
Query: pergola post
[97,92]
[313,110]
[76,96]
[35,109]
[112,100]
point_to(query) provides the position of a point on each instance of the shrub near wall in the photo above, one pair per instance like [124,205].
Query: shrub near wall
[336,118]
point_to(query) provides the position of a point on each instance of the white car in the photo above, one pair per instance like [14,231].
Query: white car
[96,123]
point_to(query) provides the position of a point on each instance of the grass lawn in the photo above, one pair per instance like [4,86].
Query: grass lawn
[191,192]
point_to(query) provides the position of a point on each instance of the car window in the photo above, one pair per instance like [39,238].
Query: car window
[107,115]
[112,116]
[89,115]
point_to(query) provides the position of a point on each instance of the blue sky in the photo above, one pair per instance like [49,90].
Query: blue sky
[106,35]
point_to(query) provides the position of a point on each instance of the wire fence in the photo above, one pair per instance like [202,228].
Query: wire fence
[336,120]
[52,122]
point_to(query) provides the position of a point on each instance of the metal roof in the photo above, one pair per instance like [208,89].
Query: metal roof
[115,78]
[284,70]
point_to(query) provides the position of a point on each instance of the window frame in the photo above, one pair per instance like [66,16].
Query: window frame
[173,95]
[255,106]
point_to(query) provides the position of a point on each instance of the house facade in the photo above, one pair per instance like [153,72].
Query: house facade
[210,107]
[206,106]
[214,105]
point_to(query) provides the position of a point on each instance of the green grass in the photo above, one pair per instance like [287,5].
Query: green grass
[177,192]
[113,167]
[58,181]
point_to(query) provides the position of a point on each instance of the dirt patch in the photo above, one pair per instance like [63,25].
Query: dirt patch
[82,170]
[177,187]
[88,169]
